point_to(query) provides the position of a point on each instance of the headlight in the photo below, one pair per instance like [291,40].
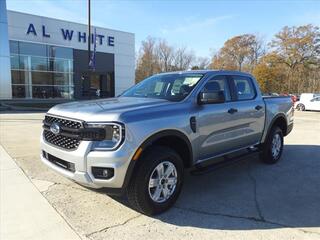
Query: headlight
[114,136]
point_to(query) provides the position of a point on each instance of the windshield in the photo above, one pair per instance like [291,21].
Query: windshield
[172,87]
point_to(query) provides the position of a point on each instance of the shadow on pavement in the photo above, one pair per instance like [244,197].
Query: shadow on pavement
[253,195]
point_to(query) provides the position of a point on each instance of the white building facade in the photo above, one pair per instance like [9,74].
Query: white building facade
[49,59]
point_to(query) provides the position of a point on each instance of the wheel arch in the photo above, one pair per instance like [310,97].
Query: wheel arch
[280,121]
[173,139]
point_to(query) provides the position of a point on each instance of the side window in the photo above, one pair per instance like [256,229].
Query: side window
[158,88]
[216,84]
[244,88]
[176,86]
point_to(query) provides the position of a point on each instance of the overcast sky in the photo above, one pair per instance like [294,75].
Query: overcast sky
[202,26]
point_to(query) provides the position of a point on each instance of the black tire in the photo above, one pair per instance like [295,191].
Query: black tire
[301,107]
[267,155]
[138,188]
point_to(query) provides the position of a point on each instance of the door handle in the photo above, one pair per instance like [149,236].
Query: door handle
[232,110]
[258,107]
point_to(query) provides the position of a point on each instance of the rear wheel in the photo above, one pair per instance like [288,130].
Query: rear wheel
[301,107]
[273,146]
[157,181]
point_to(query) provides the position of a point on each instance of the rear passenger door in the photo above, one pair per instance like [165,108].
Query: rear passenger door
[250,111]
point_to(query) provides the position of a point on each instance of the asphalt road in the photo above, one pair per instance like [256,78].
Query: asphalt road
[247,200]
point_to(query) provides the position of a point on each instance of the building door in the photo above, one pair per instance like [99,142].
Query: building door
[97,85]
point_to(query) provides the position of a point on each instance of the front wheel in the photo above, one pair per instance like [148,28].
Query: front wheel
[273,146]
[157,181]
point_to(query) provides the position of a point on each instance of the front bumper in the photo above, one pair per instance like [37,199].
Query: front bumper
[84,159]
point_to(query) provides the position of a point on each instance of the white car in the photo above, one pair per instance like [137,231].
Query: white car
[308,101]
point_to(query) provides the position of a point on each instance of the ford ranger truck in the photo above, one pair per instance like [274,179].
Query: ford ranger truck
[140,143]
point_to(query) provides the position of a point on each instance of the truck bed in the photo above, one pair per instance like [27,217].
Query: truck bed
[276,105]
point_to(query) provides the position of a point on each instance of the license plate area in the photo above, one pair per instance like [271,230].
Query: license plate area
[59,162]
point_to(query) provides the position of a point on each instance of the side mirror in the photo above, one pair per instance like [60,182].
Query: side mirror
[211,97]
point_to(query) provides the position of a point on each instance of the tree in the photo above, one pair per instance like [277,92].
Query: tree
[299,49]
[298,45]
[257,51]
[269,74]
[156,55]
[238,51]
[239,48]
[291,64]
[201,63]
[183,59]
[165,55]
[221,61]
[147,63]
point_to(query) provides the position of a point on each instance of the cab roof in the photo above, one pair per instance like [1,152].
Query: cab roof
[227,72]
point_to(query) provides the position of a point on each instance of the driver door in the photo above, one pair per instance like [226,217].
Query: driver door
[217,122]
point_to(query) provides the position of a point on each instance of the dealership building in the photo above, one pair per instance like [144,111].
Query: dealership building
[45,58]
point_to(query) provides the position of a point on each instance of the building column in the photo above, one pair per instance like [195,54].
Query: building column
[5,67]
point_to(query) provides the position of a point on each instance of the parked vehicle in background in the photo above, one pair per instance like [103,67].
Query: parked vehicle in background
[140,142]
[308,101]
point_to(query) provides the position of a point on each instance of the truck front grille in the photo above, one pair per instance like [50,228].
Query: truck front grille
[63,122]
[69,143]
[67,138]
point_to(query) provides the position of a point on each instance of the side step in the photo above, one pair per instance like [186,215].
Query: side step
[200,169]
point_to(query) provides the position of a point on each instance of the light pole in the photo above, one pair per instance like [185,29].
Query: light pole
[88,77]
[89,33]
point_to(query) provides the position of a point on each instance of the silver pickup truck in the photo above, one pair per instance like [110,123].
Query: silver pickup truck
[140,143]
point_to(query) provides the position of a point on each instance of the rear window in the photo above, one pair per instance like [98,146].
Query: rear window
[244,88]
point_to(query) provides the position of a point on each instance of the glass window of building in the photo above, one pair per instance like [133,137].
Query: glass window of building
[14,47]
[14,59]
[18,77]
[32,49]
[39,63]
[19,91]
[60,52]
[41,71]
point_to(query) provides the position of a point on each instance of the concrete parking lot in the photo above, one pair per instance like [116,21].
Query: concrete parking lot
[247,200]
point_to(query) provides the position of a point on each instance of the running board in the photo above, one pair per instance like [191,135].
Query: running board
[200,170]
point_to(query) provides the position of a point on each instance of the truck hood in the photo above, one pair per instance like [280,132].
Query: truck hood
[104,109]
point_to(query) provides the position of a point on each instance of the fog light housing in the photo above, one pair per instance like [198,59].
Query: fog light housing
[102,173]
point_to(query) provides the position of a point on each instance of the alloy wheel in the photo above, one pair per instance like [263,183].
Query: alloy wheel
[162,182]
